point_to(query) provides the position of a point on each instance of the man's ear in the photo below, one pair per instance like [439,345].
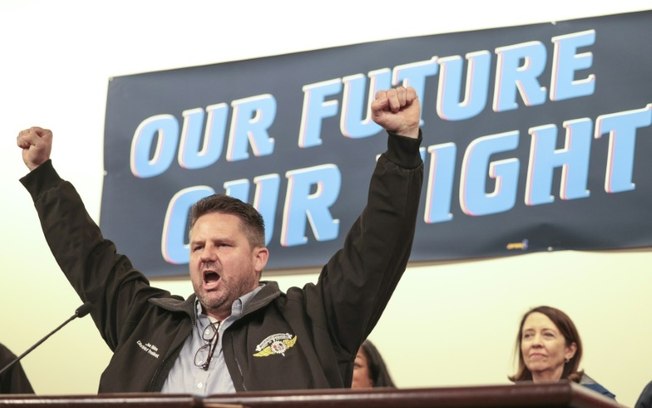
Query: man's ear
[261,255]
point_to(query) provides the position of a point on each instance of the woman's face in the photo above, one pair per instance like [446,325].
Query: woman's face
[544,348]
[361,373]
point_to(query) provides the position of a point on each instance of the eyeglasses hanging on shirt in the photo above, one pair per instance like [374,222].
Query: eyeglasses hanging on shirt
[204,354]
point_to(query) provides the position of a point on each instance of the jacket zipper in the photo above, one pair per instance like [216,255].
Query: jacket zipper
[244,386]
[155,384]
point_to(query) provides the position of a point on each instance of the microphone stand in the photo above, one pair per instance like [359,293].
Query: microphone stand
[80,312]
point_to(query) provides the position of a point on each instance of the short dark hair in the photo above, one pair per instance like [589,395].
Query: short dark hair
[571,335]
[252,222]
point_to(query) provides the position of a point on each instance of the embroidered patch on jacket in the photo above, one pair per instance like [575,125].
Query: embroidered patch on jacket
[148,348]
[277,343]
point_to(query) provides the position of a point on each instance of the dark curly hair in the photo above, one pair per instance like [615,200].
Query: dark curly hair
[377,369]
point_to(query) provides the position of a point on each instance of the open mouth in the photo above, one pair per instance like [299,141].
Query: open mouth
[211,278]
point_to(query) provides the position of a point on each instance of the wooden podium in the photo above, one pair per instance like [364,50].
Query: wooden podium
[561,394]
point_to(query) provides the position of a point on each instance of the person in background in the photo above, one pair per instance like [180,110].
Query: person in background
[13,380]
[549,349]
[236,332]
[645,399]
[369,369]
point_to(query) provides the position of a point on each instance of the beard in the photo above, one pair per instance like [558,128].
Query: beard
[220,300]
[215,301]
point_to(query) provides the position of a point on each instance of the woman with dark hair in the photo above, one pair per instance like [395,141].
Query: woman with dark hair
[13,380]
[645,399]
[369,369]
[549,349]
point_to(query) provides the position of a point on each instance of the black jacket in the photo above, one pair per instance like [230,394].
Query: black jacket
[323,324]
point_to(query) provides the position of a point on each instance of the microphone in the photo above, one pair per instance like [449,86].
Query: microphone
[81,311]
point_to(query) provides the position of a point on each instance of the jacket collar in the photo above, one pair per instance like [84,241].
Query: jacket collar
[176,304]
[267,294]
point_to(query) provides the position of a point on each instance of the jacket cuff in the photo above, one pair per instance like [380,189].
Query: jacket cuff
[41,179]
[404,151]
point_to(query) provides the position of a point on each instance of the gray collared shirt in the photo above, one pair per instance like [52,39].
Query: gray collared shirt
[185,377]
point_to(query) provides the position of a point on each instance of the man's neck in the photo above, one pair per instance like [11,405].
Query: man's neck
[220,314]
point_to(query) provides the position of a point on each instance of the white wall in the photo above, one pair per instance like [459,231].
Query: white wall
[448,324]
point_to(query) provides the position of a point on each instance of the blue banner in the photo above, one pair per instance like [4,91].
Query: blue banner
[535,138]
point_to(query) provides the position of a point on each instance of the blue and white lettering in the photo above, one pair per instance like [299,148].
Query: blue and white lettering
[621,128]
[251,119]
[512,75]
[449,105]
[476,165]
[573,158]
[193,154]
[566,62]
[440,183]
[315,109]
[300,204]
[162,130]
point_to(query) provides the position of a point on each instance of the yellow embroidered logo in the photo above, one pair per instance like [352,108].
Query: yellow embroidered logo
[277,343]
